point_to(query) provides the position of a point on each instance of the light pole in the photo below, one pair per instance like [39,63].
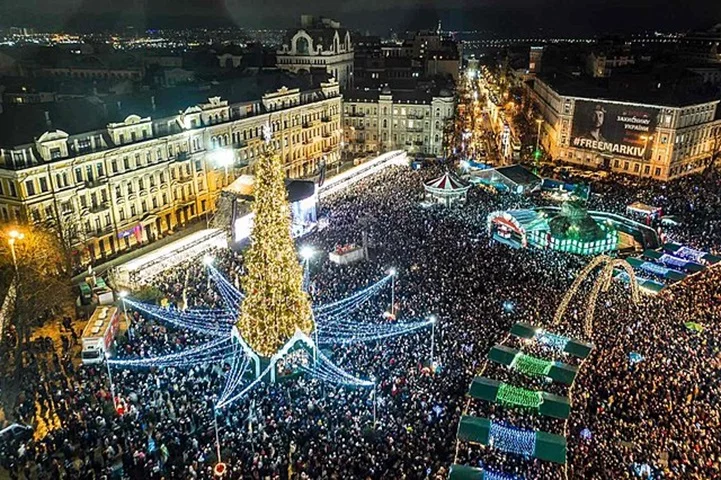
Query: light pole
[225,158]
[123,295]
[392,272]
[14,237]
[110,378]
[306,253]
[433,319]
[208,262]
[537,152]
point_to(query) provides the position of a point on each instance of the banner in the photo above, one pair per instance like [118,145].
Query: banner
[614,128]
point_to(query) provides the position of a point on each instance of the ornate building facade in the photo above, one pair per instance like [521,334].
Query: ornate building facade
[379,121]
[319,44]
[133,181]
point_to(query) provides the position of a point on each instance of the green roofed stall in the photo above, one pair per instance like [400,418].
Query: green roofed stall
[533,366]
[465,472]
[546,404]
[507,438]
[568,345]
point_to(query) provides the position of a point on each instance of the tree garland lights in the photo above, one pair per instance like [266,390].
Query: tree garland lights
[241,394]
[231,295]
[494,475]
[237,371]
[531,366]
[511,439]
[275,304]
[516,396]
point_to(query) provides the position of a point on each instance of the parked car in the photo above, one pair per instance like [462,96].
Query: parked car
[16,432]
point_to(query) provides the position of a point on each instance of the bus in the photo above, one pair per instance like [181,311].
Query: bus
[99,334]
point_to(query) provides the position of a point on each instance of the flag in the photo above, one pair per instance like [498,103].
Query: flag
[694,326]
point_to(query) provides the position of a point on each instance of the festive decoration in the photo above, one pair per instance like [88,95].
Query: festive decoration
[635,357]
[516,396]
[694,327]
[212,351]
[325,370]
[531,366]
[494,475]
[514,440]
[552,340]
[275,304]
[210,322]
[348,332]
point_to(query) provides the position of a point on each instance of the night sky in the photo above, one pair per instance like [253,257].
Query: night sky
[507,17]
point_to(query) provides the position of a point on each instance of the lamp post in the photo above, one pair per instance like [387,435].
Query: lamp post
[392,272]
[208,262]
[225,158]
[306,253]
[123,295]
[14,237]
[433,319]
[537,152]
[110,378]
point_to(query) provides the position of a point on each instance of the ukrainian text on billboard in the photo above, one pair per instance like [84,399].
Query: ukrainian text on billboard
[614,128]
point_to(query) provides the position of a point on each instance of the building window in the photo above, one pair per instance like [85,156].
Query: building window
[132,210]
[625,165]
[13,191]
[30,186]
[99,168]
[55,153]
[636,167]
[43,184]
[78,175]
[126,163]
[646,170]
[658,172]
[114,165]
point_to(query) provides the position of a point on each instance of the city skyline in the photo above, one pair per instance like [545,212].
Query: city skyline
[511,18]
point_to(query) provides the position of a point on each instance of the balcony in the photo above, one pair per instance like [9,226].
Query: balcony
[355,114]
[182,156]
[96,182]
[327,134]
[325,119]
[101,207]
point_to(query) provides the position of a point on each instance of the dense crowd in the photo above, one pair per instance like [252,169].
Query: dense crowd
[660,415]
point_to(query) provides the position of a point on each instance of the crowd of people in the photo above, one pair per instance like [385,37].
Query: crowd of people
[655,417]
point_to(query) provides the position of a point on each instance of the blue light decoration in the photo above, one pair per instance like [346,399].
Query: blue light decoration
[551,340]
[635,357]
[348,332]
[509,306]
[210,322]
[327,371]
[230,295]
[513,440]
[586,434]
[495,475]
[654,268]
[690,254]
[230,399]
[238,369]
[672,261]
[212,351]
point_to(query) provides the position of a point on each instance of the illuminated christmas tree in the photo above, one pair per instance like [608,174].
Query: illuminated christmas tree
[275,304]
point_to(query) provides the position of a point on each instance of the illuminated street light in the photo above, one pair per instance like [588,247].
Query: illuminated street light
[207,260]
[14,237]
[224,157]
[307,252]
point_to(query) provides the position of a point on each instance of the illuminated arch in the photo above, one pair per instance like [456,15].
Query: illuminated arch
[602,282]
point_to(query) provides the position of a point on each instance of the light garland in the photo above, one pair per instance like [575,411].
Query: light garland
[359,333]
[354,298]
[516,396]
[494,475]
[552,340]
[531,366]
[690,254]
[654,268]
[672,261]
[237,370]
[207,353]
[207,322]
[327,371]
[230,294]
[511,439]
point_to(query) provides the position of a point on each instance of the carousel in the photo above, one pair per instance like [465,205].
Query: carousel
[446,190]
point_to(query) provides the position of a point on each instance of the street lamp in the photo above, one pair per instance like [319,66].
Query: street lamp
[225,158]
[14,237]
[208,262]
[537,152]
[123,295]
[392,272]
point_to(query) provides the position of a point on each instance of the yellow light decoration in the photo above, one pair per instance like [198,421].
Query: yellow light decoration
[275,303]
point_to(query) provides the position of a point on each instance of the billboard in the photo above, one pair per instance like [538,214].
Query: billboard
[613,128]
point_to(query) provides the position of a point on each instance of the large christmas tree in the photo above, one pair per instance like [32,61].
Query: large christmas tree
[275,304]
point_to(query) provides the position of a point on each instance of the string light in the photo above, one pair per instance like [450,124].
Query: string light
[531,366]
[275,304]
[494,475]
[551,340]
[207,322]
[359,333]
[690,254]
[517,396]
[327,371]
[244,391]
[237,370]
[667,259]
[511,439]
[206,353]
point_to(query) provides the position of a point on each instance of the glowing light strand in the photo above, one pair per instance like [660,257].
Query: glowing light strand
[531,366]
[690,253]
[513,440]
[212,324]
[328,372]
[213,350]
[511,395]
[494,475]
[237,370]
[371,288]
[368,332]
[231,295]
[552,340]
[245,390]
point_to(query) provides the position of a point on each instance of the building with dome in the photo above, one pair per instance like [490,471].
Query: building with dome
[320,43]
[383,119]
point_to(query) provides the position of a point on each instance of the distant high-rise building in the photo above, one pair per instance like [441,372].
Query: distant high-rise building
[534,60]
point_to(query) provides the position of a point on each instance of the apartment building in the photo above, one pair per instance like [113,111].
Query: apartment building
[135,180]
[649,131]
[415,121]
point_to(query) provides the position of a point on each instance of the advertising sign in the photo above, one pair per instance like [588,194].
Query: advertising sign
[614,128]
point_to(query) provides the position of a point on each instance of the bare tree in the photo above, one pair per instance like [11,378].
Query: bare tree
[42,281]
[715,147]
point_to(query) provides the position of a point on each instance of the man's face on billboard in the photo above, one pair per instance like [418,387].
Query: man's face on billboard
[598,117]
